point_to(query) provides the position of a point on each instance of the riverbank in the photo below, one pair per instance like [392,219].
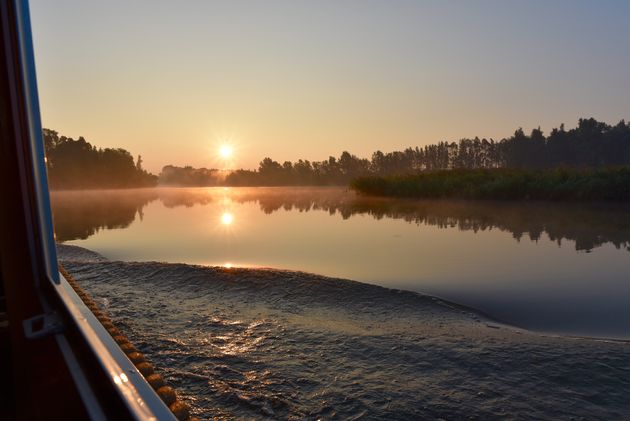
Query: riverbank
[255,343]
[610,184]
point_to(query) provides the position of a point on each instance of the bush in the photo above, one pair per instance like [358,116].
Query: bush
[609,184]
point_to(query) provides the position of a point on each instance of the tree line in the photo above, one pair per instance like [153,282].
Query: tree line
[76,164]
[589,145]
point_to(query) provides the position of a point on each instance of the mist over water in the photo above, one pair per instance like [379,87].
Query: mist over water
[549,267]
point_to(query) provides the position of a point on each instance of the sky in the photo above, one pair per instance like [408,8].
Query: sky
[173,81]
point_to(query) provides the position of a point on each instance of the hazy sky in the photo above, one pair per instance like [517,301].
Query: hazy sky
[171,80]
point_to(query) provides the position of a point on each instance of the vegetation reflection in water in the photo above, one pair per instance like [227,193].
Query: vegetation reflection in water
[81,214]
[568,276]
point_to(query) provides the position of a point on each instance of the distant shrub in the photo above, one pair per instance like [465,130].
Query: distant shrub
[609,184]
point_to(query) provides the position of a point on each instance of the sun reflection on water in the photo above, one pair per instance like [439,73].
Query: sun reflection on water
[227,218]
[235,337]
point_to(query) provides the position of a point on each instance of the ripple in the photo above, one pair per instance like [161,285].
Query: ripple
[284,345]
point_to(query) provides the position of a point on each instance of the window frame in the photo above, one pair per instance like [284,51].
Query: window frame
[108,383]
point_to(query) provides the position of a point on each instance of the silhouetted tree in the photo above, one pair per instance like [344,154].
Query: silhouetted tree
[590,144]
[76,164]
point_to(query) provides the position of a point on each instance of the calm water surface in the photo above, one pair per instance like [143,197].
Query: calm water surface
[561,268]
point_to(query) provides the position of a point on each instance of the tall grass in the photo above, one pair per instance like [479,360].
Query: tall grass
[610,184]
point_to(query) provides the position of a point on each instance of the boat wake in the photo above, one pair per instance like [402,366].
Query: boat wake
[263,343]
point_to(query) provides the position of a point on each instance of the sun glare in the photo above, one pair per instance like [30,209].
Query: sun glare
[227,218]
[226,151]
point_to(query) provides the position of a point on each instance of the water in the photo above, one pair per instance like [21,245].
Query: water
[243,343]
[561,268]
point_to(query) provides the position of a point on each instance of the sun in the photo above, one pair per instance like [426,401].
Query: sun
[226,151]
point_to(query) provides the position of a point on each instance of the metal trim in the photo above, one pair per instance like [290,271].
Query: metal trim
[137,394]
[35,135]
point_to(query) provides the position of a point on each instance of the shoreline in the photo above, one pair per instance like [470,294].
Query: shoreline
[349,188]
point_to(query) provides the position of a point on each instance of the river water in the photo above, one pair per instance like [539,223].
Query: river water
[559,268]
